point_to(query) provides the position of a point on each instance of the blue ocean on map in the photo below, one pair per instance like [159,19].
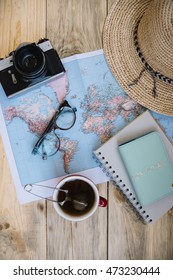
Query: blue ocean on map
[103,108]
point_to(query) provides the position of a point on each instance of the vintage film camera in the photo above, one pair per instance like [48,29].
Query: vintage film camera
[28,65]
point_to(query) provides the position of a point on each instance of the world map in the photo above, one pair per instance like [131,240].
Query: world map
[37,110]
[103,108]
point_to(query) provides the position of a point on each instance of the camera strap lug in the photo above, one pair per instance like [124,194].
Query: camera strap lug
[13,77]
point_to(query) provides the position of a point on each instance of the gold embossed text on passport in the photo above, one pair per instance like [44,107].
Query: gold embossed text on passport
[148,170]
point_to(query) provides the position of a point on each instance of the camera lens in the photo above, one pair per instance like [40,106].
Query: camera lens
[29,61]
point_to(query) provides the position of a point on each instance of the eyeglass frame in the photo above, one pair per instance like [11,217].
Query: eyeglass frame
[52,126]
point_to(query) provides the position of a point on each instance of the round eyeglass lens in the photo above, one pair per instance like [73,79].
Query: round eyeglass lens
[49,146]
[66,118]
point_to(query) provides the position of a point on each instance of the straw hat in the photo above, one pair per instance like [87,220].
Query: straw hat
[138,45]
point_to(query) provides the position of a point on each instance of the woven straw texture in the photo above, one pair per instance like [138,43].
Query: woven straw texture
[155,38]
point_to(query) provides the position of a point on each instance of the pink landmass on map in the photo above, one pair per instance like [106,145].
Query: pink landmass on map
[30,112]
[60,87]
[37,110]
[100,113]
[68,149]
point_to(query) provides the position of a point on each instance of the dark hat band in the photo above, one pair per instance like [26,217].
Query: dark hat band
[154,74]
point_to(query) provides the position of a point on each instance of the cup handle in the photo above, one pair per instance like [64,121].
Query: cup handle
[102,201]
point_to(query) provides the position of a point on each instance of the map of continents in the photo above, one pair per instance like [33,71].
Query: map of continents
[103,108]
[37,109]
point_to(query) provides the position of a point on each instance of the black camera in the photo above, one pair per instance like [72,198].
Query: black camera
[28,65]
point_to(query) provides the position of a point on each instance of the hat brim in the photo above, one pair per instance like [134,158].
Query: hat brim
[122,58]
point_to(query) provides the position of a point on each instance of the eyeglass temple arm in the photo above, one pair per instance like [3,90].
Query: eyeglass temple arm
[49,127]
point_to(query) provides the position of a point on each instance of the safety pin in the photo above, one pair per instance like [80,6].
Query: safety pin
[30,187]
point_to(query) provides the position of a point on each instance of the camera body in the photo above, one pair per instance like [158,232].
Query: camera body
[28,65]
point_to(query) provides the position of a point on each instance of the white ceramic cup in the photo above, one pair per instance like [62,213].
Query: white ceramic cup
[98,200]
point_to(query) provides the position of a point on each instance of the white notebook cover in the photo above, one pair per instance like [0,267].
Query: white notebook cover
[109,157]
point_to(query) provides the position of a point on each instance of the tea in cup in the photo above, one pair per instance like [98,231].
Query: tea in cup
[76,198]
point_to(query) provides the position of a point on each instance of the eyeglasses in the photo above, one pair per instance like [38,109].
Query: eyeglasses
[49,142]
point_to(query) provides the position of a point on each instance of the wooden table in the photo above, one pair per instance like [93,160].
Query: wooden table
[35,231]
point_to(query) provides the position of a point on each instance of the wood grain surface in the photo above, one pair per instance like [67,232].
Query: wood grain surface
[35,231]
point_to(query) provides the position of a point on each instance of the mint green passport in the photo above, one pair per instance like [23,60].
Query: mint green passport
[149,167]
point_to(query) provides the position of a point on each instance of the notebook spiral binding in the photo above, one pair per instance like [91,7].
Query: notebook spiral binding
[106,168]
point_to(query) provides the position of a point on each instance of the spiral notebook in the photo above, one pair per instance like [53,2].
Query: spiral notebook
[111,162]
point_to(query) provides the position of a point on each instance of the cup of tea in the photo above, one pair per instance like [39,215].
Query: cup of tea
[76,198]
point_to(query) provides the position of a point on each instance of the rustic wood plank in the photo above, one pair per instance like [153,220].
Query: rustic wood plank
[131,238]
[75,27]
[22,228]
[77,240]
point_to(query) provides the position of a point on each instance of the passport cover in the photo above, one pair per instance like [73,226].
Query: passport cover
[149,167]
